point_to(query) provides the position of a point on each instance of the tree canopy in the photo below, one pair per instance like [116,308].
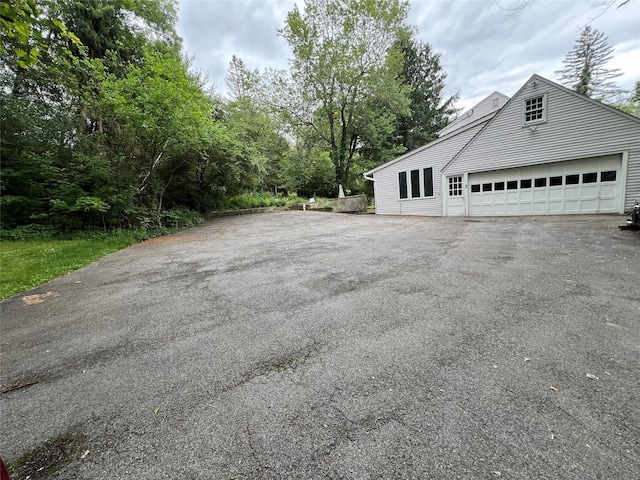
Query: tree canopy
[105,125]
[429,112]
[344,74]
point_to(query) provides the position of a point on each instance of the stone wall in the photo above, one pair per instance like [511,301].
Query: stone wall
[351,204]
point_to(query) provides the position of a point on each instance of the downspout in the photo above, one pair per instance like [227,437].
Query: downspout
[375,190]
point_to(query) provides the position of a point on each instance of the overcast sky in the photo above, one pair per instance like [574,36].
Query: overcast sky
[485,45]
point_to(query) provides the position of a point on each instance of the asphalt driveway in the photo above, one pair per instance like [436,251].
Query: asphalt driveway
[314,345]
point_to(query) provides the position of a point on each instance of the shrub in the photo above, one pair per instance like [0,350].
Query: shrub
[258,200]
[23,232]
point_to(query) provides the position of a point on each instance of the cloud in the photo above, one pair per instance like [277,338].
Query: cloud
[214,30]
[484,45]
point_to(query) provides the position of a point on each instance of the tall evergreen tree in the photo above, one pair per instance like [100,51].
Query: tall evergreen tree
[585,68]
[238,79]
[430,111]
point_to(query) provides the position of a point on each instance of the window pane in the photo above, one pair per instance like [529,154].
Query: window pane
[608,176]
[555,181]
[572,180]
[589,177]
[475,188]
[455,186]
[415,183]
[402,180]
[541,182]
[525,183]
[512,185]
[428,182]
[499,186]
[486,187]
[534,109]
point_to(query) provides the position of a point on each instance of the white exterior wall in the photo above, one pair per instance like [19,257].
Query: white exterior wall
[486,107]
[575,128]
[436,155]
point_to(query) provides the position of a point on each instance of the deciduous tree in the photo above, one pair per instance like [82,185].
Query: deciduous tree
[344,79]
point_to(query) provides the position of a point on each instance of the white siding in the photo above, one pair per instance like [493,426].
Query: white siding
[489,105]
[435,155]
[575,128]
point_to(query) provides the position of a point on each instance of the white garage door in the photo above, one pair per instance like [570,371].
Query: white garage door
[579,186]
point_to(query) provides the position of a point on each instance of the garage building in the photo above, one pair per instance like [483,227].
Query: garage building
[547,150]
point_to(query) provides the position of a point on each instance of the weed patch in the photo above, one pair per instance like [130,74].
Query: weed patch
[46,459]
[258,200]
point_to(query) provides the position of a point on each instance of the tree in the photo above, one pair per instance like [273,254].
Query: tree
[100,134]
[429,111]
[584,66]
[161,120]
[603,6]
[238,79]
[25,28]
[631,103]
[344,81]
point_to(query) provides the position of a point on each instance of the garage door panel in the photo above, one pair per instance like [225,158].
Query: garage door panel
[500,209]
[540,207]
[572,192]
[540,194]
[526,196]
[512,208]
[487,209]
[578,186]
[607,203]
[556,193]
[572,206]
[556,206]
[526,208]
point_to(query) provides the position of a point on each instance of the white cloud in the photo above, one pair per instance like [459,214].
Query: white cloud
[484,46]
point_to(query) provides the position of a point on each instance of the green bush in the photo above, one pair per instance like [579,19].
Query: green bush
[23,232]
[179,218]
[258,200]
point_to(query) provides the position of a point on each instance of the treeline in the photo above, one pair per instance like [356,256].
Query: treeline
[105,125]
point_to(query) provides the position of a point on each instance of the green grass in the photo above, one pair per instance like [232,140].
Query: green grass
[258,200]
[25,264]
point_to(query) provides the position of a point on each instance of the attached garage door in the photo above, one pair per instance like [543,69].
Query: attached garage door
[581,186]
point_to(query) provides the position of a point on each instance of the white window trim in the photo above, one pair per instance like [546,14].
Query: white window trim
[456,181]
[544,110]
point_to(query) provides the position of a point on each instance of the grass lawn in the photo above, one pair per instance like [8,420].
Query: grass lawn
[25,264]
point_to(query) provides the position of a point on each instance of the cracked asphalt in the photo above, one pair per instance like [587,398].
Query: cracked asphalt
[311,345]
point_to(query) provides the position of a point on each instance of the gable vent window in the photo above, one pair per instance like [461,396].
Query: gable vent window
[534,110]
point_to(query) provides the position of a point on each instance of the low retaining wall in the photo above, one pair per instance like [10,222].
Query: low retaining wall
[351,204]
